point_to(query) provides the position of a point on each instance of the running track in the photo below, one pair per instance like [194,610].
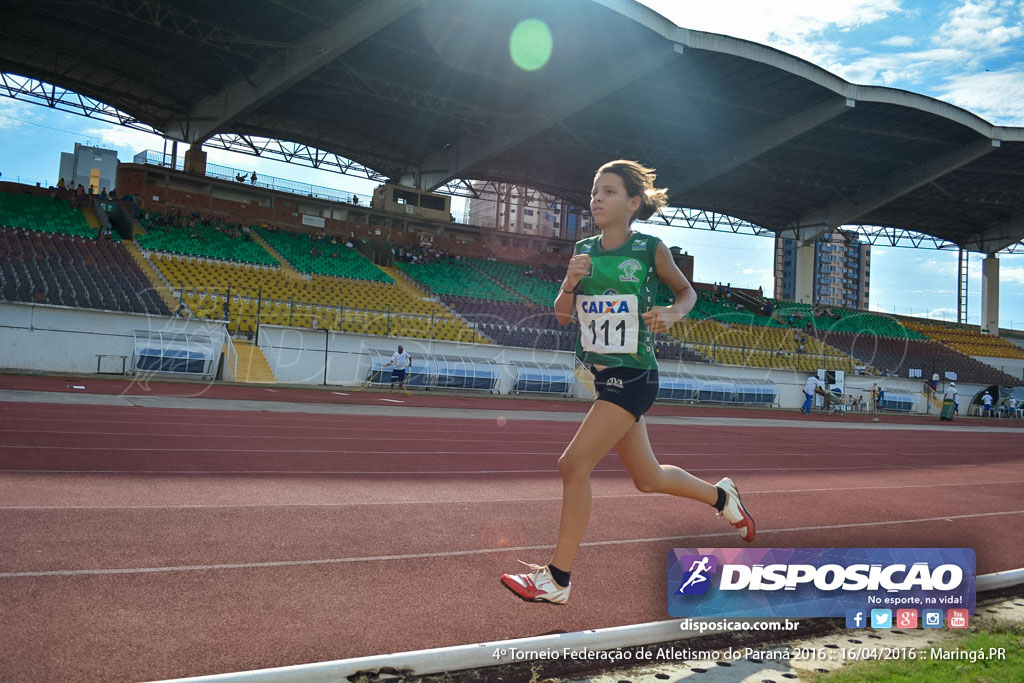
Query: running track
[152,542]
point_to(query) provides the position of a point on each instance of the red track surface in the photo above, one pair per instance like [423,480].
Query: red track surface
[243,540]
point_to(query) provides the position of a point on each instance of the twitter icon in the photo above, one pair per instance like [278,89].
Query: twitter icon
[881,618]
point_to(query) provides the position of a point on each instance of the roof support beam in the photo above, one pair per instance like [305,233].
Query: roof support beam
[215,113]
[460,155]
[803,234]
[762,141]
[997,237]
[845,211]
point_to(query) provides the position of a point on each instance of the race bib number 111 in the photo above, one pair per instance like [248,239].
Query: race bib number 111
[608,323]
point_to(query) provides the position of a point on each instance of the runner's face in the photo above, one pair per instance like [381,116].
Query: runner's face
[610,204]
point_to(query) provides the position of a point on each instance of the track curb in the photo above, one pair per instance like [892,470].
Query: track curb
[495,653]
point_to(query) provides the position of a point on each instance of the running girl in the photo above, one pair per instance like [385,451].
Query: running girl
[611,283]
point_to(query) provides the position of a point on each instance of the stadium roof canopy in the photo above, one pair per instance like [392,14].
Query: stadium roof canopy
[424,91]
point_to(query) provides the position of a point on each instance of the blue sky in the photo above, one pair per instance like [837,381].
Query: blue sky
[970,54]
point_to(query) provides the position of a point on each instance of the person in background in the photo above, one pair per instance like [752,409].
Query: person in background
[400,363]
[811,386]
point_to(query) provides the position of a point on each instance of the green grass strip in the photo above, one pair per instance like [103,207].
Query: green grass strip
[931,664]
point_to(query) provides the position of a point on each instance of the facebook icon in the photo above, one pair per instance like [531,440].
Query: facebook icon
[855,618]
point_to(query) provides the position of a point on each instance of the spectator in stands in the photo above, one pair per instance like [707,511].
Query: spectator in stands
[252,178]
[625,369]
[240,177]
[986,401]
[401,362]
[812,386]
[60,184]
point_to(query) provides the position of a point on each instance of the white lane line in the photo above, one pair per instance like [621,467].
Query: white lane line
[204,437]
[338,451]
[477,551]
[445,501]
[548,470]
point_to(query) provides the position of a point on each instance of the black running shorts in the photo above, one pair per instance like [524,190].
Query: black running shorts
[631,389]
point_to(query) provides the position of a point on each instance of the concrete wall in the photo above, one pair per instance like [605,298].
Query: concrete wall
[298,356]
[48,338]
[45,338]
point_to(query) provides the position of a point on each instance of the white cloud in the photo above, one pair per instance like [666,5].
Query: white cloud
[127,141]
[980,25]
[997,96]
[899,41]
[762,272]
[1013,274]
[941,314]
[15,113]
[899,67]
[794,26]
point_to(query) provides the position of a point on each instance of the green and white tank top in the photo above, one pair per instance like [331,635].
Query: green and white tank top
[621,286]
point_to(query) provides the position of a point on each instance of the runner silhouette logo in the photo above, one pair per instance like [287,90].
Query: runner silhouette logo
[696,581]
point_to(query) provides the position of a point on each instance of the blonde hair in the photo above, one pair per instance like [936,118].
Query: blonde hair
[639,182]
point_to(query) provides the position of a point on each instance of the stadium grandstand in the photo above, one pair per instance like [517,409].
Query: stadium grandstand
[351,278]
[213,244]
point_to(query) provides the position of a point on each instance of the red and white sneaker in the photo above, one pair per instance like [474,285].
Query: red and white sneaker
[734,510]
[537,586]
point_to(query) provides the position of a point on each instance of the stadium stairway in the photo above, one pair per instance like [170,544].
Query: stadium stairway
[502,284]
[90,218]
[155,281]
[405,283]
[414,289]
[286,267]
[253,367]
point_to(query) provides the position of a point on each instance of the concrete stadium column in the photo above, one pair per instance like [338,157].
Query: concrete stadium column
[195,159]
[804,292]
[990,295]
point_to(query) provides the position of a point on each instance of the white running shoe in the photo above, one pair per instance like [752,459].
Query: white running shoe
[734,510]
[537,586]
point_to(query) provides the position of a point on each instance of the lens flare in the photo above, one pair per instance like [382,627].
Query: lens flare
[530,44]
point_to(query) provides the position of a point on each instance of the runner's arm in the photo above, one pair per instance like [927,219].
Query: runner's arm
[661,318]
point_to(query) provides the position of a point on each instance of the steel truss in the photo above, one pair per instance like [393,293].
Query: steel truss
[171,17]
[55,97]
[292,153]
[62,99]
